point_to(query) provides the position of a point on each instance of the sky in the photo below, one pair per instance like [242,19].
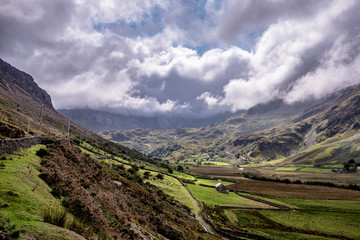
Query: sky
[196,57]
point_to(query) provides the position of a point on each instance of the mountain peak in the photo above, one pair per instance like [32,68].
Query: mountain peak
[24,81]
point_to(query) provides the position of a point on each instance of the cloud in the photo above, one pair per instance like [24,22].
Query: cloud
[151,56]
[288,61]
[340,67]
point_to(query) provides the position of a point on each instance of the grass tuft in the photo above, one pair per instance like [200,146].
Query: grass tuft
[55,216]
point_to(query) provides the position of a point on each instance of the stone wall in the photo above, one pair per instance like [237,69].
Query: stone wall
[9,146]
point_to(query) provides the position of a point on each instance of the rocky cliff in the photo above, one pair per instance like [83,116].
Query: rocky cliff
[9,74]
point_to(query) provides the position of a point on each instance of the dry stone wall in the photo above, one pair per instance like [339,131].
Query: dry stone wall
[9,146]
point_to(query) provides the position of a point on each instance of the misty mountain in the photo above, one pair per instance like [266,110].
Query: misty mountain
[211,138]
[265,132]
[98,120]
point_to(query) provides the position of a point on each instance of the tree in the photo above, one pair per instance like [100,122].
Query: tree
[350,166]
[160,176]
[147,174]
[180,168]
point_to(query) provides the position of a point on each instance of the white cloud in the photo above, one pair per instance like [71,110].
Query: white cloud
[188,64]
[339,68]
[301,49]
[281,57]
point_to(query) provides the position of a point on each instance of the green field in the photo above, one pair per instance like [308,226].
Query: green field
[287,168]
[304,169]
[315,170]
[215,163]
[23,196]
[345,224]
[211,197]
[173,187]
[211,182]
[183,175]
[321,205]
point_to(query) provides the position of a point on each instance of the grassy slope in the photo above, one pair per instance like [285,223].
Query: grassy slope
[211,197]
[27,195]
[193,141]
[344,224]
[173,187]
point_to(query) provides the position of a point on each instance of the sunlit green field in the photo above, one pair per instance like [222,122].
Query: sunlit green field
[345,224]
[211,182]
[172,187]
[215,163]
[212,197]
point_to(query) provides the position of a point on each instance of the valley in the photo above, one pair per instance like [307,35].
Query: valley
[289,171]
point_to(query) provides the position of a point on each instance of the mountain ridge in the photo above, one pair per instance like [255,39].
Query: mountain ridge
[24,81]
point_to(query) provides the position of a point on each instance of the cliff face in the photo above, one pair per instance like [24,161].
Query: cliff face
[9,74]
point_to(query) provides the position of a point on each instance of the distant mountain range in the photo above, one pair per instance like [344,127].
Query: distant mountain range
[314,132]
[98,120]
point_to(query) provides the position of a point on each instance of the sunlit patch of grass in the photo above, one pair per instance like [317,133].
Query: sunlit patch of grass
[211,182]
[345,224]
[23,195]
[172,187]
[212,197]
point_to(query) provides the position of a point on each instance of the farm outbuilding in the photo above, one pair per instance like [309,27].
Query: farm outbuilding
[220,188]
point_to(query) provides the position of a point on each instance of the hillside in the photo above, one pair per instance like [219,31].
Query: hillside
[326,133]
[86,188]
[191,142]
[317,132]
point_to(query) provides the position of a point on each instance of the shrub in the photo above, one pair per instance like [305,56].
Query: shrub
[55,216]
[147,174]
[160,176]
[42,152]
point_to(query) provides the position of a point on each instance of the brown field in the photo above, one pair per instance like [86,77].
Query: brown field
[337,178]
[232,172]
[300,191]
[212,171]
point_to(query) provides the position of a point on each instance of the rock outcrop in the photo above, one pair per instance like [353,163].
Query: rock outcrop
[23,80]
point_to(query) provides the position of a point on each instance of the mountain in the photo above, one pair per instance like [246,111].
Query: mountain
[11,77]
[314,132]
[328,132]
[185,143]
[98,120]
[77,189]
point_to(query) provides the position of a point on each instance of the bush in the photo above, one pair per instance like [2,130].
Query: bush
[42,152]
[55,216]
[180,168]
[160,176]
[147,174]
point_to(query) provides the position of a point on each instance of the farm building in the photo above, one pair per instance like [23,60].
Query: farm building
[220,188]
